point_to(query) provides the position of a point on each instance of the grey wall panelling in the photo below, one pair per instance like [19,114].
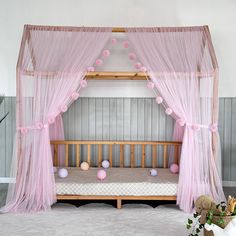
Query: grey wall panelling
[122,119]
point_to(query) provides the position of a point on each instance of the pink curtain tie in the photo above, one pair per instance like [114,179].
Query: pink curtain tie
[197,127]
[38,126]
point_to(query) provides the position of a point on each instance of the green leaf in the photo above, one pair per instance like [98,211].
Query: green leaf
[188,226]
[190,221]
[198,230]
[209,221]
[221,221]
[195,215]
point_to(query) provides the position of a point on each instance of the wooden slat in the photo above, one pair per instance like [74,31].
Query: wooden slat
[99,155]
[154,156]
[132,160]
[77,155]
[165,157]
[121,155]
[89,154]
[143,155]
[110,155]
[56,154]
[67,155]
[176,154]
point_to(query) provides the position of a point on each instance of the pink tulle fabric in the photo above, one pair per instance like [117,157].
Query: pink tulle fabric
[51,64]
[182,65]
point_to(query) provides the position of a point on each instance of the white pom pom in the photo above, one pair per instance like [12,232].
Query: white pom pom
[84,165]
[63,173]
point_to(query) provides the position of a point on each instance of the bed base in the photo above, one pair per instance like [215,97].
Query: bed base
[154,157]
[117,198]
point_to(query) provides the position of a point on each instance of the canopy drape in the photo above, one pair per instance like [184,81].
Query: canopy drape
[182,65]
[57,61]
[52,65]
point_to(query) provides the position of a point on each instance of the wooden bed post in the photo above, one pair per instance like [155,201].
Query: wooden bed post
[18,91]
[119,203]
[215,90]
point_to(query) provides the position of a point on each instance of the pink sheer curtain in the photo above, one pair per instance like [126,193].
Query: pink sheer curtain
[181,64]
[52,63]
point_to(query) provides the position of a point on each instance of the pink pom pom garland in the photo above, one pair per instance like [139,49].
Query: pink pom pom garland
[24,130]
[83,83]
[113,40]
[51,120]
[75,95]
[106,53]
[90,69]
[213,128]
[174,168]
[132,56]
[196,127]
[143,69]
[126,44]
[39,125]
[137,65]
[159,100]
[181,122]
[101,174]
[99,62]
[150,85]
[168,111]
[63,108]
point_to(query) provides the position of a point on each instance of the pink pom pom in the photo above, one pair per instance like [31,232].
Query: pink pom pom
[51,120]
[75,95]
[113,40]
[196,127]
[159,100]
[39,125]
[168,111]
[99,62]
[132,56]
[150,85]
[126,44]
[181,122]
[90,69]
[83,83]
[214,128]
[143,69]
[137,65]
[174,168]
[64,108]
[101,175]
[106,53]
[24,130]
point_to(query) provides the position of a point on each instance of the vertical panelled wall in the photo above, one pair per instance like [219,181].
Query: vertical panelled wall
[122,119]
[117,119]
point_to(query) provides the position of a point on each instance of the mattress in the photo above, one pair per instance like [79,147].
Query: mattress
[119,182]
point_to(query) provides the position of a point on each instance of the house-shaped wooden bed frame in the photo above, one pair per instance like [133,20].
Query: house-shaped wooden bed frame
[116,75]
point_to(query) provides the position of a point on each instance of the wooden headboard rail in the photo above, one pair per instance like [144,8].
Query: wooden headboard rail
[154,144]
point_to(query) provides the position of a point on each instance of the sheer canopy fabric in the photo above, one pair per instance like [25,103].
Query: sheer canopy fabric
[52,63]
[182,65]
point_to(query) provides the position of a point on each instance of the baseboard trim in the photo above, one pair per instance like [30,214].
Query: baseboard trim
[229,183]
[7,180]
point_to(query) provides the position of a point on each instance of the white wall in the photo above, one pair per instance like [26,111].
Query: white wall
[220,15]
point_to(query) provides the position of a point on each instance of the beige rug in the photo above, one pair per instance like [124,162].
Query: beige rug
[97,219]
